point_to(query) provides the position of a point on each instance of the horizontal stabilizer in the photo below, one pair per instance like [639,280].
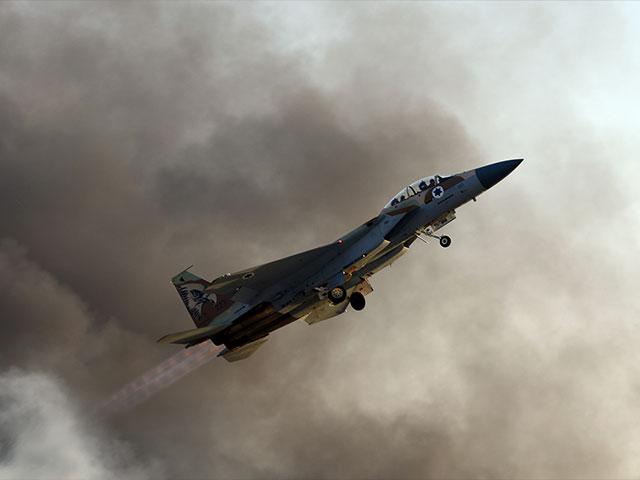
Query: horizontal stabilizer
[240,353]
[193,336]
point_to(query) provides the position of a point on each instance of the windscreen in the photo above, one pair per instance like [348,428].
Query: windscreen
[413,189]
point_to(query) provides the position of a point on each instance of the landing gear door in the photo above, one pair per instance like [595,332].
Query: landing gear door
[364,287]
[441,221]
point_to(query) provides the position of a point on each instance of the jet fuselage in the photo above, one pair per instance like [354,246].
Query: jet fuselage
[240,310]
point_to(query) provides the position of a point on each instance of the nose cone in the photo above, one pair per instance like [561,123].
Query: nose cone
[489,175]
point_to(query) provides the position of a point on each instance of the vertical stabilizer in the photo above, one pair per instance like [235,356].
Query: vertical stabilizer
[200,304]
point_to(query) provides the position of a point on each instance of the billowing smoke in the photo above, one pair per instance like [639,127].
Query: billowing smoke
[45,435]
[136,139]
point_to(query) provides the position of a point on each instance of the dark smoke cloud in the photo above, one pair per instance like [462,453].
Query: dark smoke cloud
[136,139]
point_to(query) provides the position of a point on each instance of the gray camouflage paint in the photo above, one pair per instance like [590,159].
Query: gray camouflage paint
[129,130]
[296,287]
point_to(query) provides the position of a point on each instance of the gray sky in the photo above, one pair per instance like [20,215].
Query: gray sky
[136,139]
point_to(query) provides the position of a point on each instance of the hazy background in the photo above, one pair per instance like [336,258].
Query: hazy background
[136,139]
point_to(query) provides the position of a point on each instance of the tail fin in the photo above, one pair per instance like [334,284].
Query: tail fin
[198,302]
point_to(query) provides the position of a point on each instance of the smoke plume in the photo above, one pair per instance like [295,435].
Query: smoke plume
[137,139]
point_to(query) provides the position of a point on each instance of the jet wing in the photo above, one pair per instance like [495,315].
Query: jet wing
[263,276]
[295,267]
[215,305]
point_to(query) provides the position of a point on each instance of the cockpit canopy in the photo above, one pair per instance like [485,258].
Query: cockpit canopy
[414,189]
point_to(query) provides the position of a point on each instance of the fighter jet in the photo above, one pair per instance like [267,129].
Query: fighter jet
[239,310]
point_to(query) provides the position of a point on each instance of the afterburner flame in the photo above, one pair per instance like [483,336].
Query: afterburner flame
[158,378]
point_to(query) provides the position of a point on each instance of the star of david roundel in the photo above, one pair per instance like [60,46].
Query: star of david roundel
[437,192]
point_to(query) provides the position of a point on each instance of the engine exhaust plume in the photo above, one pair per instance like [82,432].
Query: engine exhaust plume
[158,378]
